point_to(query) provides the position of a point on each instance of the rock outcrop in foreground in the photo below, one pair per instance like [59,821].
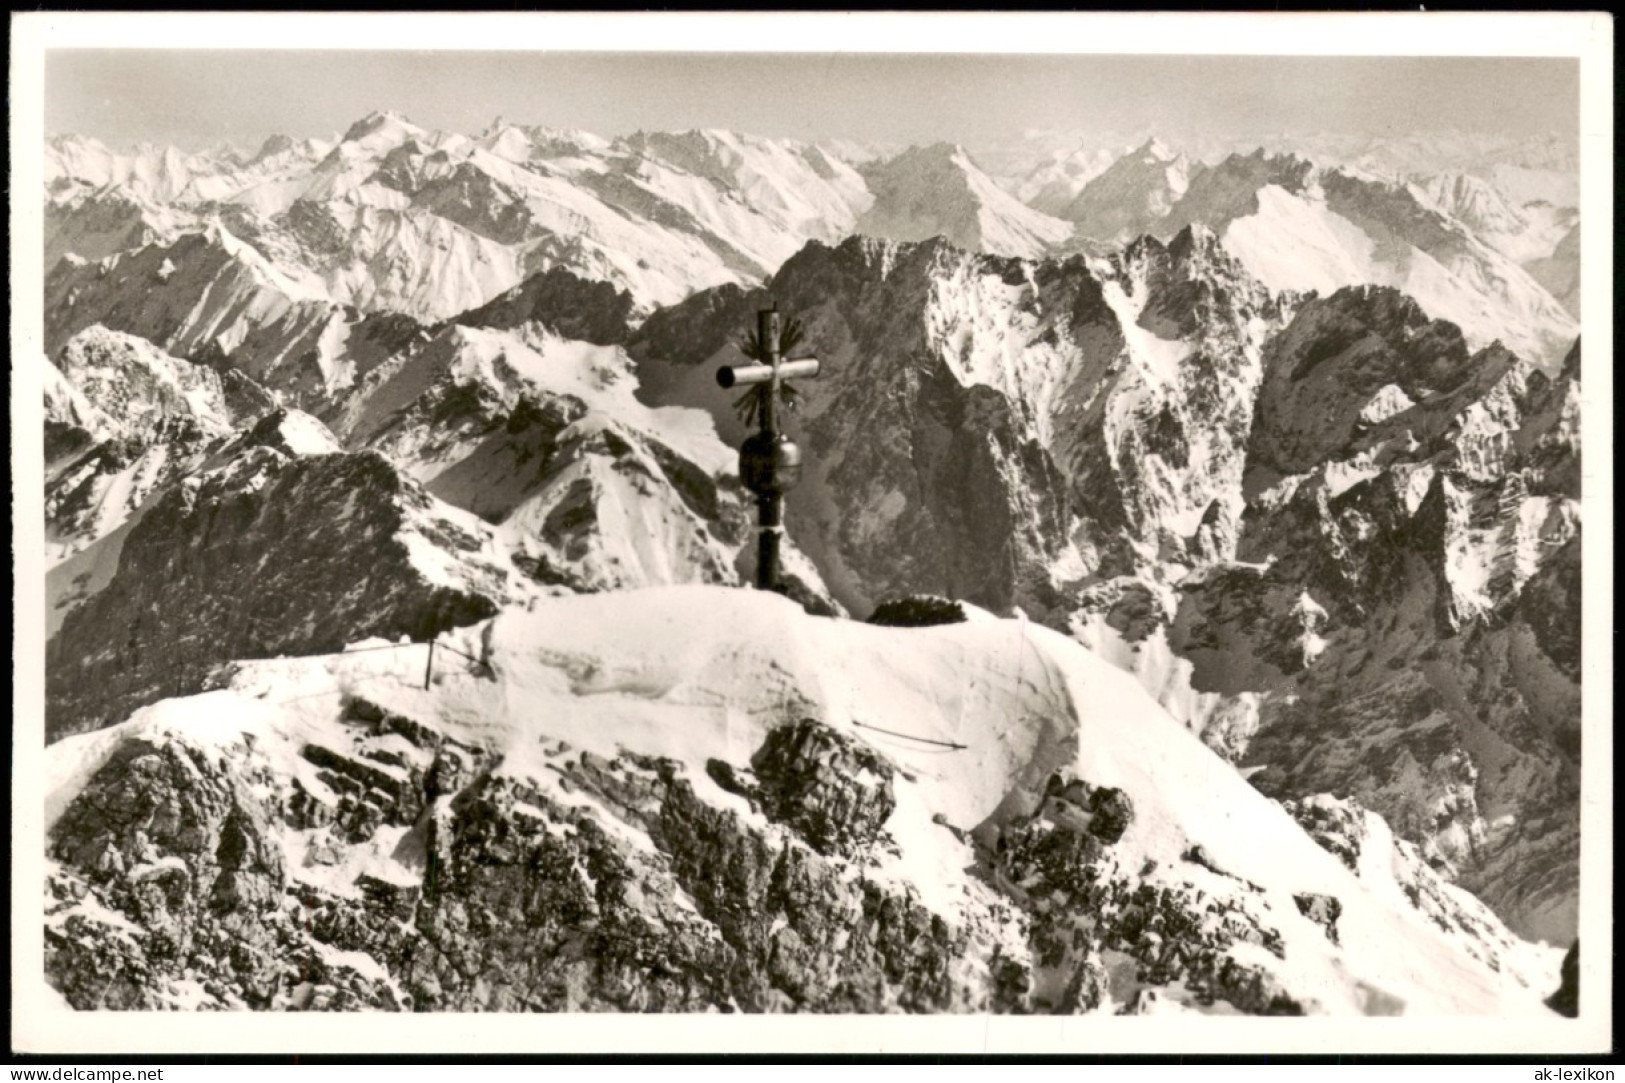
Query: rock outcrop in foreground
[678,812]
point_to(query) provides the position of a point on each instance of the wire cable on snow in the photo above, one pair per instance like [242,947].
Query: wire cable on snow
[909,736]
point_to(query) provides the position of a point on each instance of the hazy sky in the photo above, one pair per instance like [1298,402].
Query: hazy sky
[198,97]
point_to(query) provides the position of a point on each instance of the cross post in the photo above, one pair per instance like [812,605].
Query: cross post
[769,461]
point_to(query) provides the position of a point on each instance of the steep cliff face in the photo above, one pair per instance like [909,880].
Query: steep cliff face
[606,814]
[1415,509]
[997,429]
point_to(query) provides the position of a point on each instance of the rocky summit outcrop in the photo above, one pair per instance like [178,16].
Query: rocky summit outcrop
[522,902]
[834,791]
[314,835]
[264,554]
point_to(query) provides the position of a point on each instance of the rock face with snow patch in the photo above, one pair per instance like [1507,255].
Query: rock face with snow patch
[262,555]
[978,421]
[1128,197]
[1307,522]
[1299,226]
[1333,535]
[541,437]
[834,791]
[208,297]
[123,419]
[399,218]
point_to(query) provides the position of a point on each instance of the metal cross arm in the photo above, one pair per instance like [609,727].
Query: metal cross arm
[730,375]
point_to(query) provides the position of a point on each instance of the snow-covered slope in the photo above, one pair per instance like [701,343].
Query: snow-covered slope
[1333,539]
[207,296]
[1560,271]
[1102,443]
[280,542]
[589,817]
[1091,413]
[156,173]
[1519,233]
[1052,184]
[543,435]
[1297,226]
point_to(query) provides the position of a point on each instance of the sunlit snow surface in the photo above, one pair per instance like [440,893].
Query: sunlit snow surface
[699,672]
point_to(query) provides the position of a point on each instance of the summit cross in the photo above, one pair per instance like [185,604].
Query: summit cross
[769,461]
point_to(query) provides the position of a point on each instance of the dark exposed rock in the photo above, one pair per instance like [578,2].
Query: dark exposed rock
[1132,607]
[917,611]
[1335,826]
[1058,861]
[568,305]
[835,791]
[1323,910]
[180,846]
[1566,1001]
[1112,812]
[524,903]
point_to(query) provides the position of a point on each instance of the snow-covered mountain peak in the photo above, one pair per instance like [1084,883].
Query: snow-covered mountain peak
[618,724]
[1333,537]
[938,190]
[379,120]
